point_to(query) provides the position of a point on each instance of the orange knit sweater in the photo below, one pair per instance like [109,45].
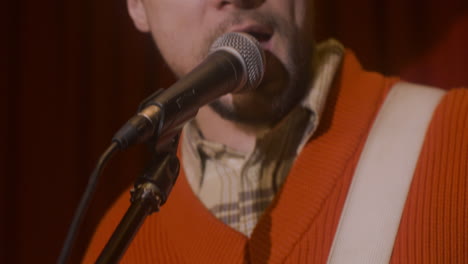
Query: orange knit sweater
[300,224]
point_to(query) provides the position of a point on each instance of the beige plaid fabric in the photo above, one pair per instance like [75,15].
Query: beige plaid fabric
[238,187]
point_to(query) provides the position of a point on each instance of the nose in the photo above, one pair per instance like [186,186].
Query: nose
[244,4]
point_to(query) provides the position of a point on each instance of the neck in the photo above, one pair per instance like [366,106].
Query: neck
[215,128]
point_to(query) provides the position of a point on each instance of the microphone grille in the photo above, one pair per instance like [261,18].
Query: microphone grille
[247,48]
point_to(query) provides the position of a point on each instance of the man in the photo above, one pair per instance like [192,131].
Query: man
[266,173]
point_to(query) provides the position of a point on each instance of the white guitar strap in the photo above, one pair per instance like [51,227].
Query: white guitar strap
[377,195]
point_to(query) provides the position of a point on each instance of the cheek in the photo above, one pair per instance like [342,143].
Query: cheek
[295,11]
[175,32]
[305,16]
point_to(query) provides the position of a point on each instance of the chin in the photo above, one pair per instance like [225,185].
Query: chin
[266,105]
[251,109]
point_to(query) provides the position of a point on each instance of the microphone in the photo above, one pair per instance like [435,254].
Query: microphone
[236,63]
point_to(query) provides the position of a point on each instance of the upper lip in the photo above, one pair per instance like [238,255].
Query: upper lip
[261,32]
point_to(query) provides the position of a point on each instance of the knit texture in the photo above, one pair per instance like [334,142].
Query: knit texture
[299,225]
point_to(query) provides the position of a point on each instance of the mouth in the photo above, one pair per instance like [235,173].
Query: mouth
[261,33]
[261,37]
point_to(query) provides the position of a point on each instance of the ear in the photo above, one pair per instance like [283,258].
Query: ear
[137,12]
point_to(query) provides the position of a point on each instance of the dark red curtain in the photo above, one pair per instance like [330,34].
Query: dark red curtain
[423,41]
[74,71]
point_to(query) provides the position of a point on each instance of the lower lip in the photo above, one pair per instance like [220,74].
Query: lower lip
[266,45]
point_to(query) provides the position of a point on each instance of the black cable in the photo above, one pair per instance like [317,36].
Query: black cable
[84,203]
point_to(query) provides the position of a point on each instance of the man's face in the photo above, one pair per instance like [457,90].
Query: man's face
[185,29]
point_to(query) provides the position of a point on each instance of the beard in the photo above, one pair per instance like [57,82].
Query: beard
[285,81]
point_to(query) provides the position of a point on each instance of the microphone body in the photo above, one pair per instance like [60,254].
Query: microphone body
[220,73]
[235,63]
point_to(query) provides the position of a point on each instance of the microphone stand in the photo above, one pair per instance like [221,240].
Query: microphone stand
[150,192]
